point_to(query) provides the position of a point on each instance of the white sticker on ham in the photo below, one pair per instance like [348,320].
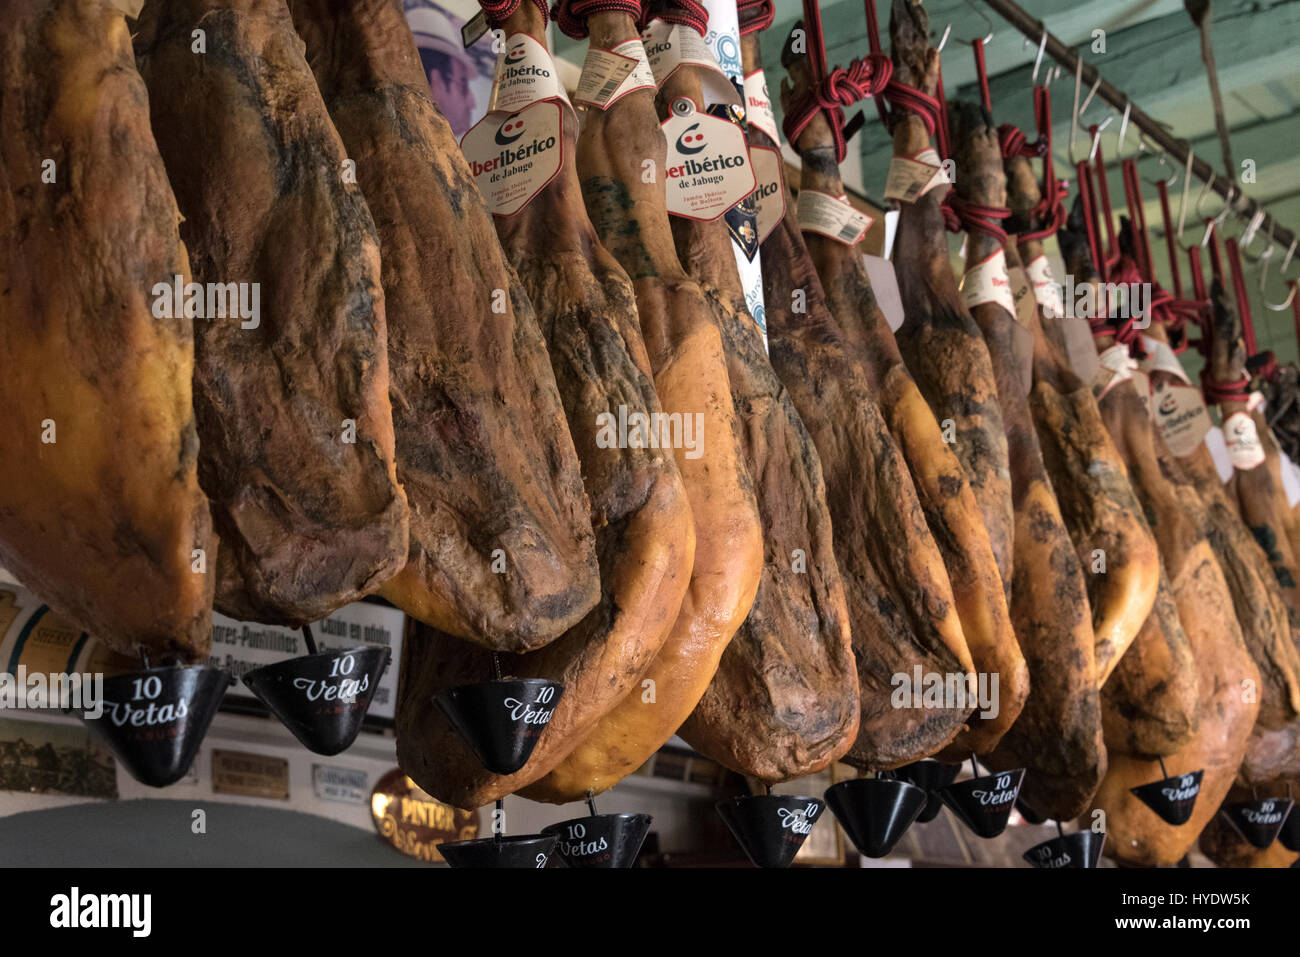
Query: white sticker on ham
[1244,448]
[1181,416]
[1046,289]
[514,156]
[525,75]
[831,216]
[987,281]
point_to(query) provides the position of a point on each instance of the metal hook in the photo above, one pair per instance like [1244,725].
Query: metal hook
[1038,60]
[1074,116]
[987,22]
[1263,275]
[1096,137]
[1162,159]
[1123,129]
[1091,93]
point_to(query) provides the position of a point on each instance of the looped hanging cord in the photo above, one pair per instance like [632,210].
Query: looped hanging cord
[1050,210]
[1088,203]
[901,97]
[1243,303]
[571,15]
[1216,392]
[499,11]
[688,13]
[1103,208]
[755,15]
[1171,243]
[832,90]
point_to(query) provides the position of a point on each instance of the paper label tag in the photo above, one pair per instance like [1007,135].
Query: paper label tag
[513,156]
[1181,416]
[1142,386]
[1244,448]
[758,105]
[831,216]
[609,75]
[473,29]
[709,169]
[669,46]
[1022,292]
[987,281]
[770,192]
[911,178]
[1046,289]
[1161,358]
[525,75]
[1113,367]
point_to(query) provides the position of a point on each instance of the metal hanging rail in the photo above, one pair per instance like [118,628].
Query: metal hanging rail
[1177,149]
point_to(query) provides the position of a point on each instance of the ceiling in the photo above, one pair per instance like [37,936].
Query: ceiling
[1152,53]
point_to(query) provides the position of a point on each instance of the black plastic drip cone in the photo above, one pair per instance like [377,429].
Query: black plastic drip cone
[1258,821]
[1172,799]
[930,776]
[1080,849]
[1289,835]
[770,828]
[984,804]
[524,850]
[322,698]
[600,840]
[155,720]
[502,720]
[876,812]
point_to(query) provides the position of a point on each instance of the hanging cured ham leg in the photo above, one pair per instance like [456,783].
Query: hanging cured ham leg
[1225,714]
[1149,703]
[290,394]
[893,638]
[100,508]
[501,550]
[939,340]
[1058,737]
[1259,610]
[784,700]
[644,534]
[883,546]
[686,356]
[1117,554]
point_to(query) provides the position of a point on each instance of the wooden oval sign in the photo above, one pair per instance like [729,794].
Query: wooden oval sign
[413,822]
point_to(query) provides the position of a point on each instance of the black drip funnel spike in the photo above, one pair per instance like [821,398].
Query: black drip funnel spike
[876,812]
[770,828]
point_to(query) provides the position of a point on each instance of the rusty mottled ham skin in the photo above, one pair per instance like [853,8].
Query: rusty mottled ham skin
[309,519]
[939,339]
[1221,843]
[1225,713]
[645,536]
[483,448]
[883,546]
[1149,702]
[102,522]
[1058,736]
[686,355]
[784,700]
[1086,470]
[1256,499]
[912,616]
